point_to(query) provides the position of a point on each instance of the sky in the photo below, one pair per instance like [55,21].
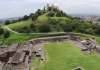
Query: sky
[16,8]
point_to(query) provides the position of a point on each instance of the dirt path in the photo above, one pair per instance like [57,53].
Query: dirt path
[6,27]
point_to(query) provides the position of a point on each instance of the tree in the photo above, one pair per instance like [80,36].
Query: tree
[68,28]
[25,17]
[51,14]
[39,12]
[14,21]
[44,28]
[1,31]
[32,27]
[59,14]
[31,15]
[6,34]
[7,22]
[49,8]
[44,10]
[34,17]
[97,29]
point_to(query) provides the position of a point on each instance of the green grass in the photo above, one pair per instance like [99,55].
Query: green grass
[42,19]
[98,39]
[21,37]
[20,24]
[14,38]
[64,56]
[18,38]
[60,18]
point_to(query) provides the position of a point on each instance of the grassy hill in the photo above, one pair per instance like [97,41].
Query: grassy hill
[52,19]
[42,18]
[48,20]
[26,24]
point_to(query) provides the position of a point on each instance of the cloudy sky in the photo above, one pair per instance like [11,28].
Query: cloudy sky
[15,8]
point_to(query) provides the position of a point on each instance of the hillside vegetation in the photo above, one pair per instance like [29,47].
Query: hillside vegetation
[52,19]
[49,19]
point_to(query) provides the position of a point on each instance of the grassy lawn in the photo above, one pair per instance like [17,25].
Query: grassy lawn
[64,56]
[98,40]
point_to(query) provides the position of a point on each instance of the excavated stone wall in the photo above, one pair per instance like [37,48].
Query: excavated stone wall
[18,56]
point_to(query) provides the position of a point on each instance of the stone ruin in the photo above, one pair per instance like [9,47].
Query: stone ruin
[19,56]
[15,57]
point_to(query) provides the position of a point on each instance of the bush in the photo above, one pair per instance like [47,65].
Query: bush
[6,34]
[51,14]
[1,31]
[44,28]
[7,22]
[25,17]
